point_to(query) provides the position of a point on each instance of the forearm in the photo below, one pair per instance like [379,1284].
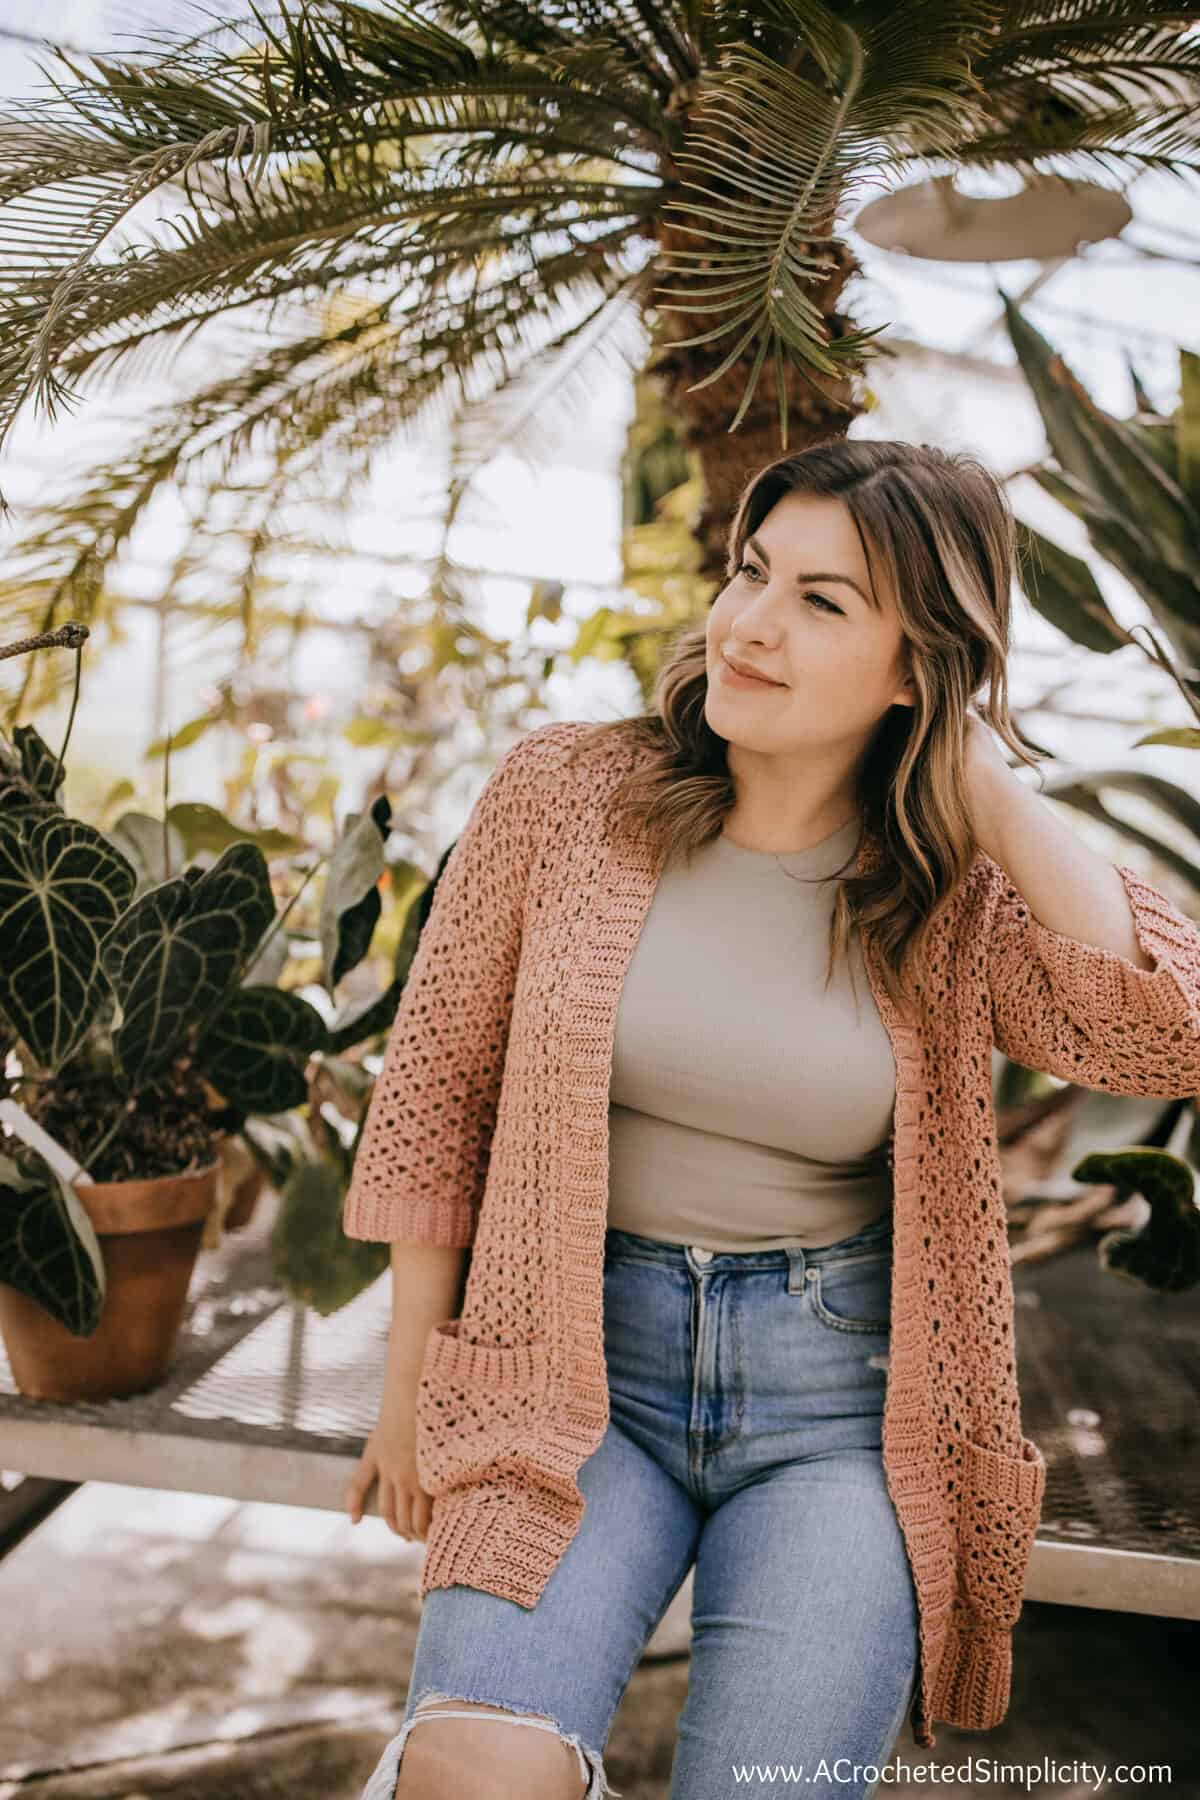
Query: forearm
[1067,886]
[426,1285]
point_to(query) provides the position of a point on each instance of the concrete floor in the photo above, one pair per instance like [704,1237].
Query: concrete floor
[159,1643]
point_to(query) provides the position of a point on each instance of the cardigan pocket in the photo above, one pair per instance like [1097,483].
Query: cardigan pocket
[476,1403]
[1000,1508]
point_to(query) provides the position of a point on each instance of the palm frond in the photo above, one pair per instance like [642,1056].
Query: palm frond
[658,37]
[772,154]
[536,412]
[327,400]
[1121,140]
[1066,64]
[386,79]
[303,242]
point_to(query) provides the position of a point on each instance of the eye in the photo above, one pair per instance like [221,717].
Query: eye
[826,605]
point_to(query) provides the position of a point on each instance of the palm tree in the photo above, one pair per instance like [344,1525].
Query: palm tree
[373,216]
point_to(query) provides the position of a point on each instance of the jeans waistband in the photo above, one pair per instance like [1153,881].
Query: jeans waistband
[872,1239]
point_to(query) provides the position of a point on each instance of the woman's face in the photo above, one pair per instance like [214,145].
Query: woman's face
[802,609]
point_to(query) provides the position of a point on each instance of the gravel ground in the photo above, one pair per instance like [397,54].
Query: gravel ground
[160,1643]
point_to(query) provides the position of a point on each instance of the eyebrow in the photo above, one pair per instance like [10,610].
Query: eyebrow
[754,545]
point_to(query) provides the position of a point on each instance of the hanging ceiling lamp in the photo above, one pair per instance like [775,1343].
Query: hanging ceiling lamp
[1052,217]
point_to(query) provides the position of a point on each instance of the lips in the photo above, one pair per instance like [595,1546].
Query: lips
[750,674]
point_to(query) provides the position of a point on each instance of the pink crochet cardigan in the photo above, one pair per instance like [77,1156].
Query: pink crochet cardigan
[488,1127]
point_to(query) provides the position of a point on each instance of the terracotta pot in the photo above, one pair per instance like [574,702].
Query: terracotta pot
[149,1234]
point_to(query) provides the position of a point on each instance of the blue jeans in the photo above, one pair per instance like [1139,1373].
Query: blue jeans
[745,1438]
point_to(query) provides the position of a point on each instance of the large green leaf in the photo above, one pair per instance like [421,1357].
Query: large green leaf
[1187,425]
[1172,595]
[63,887]
[174,956]
[1064,590]
[49,1250]
[350,904]
[257,1048]
[1103,454]
[203,827]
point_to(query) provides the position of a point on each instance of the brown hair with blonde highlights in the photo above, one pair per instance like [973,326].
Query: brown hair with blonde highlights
[939,526]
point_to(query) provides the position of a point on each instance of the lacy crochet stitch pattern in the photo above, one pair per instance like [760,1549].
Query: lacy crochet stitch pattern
[487,1129]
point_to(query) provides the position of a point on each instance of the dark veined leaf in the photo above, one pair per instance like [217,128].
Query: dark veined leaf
[38,762]
[257,1048]
[63,887]
[311,1255]
[49,1250]
[174,956]
[350,905]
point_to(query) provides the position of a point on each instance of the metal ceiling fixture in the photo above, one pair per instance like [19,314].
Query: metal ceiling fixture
[1052,216]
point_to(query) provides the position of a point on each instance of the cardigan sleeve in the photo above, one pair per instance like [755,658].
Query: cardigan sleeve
[421,1159]
[1088,1015]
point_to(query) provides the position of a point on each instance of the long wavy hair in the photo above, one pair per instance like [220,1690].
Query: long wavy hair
[939,526]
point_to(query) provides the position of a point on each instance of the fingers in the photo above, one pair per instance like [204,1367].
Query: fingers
[407,1512]
[360,1485]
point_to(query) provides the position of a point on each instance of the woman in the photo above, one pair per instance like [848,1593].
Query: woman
[726,1223]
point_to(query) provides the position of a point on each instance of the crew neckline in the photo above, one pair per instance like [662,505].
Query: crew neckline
[824,858]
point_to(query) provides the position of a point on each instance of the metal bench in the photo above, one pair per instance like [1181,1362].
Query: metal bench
[267,1401]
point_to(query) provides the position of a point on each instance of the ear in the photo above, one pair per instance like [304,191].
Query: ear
[906,693]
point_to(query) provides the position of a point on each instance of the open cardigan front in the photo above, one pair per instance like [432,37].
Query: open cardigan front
[488,1128]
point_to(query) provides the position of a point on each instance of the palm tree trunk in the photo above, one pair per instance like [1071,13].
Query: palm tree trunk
[819,407]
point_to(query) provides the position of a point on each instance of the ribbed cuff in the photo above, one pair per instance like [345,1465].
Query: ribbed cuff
[974,1679]
[448,1223]
[1114,986]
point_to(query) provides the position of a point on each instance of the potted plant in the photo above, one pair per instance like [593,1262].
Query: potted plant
[135,1042]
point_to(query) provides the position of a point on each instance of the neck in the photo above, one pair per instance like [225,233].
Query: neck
[787,808]
[766,833]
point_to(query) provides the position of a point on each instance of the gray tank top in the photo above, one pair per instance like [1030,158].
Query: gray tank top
[749,1109]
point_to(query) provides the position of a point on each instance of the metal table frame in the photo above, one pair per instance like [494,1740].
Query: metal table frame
[266,1401]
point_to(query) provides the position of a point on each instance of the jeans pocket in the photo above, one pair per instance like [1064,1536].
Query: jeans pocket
[1000,1505]
[476,1404]
[854,1295]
